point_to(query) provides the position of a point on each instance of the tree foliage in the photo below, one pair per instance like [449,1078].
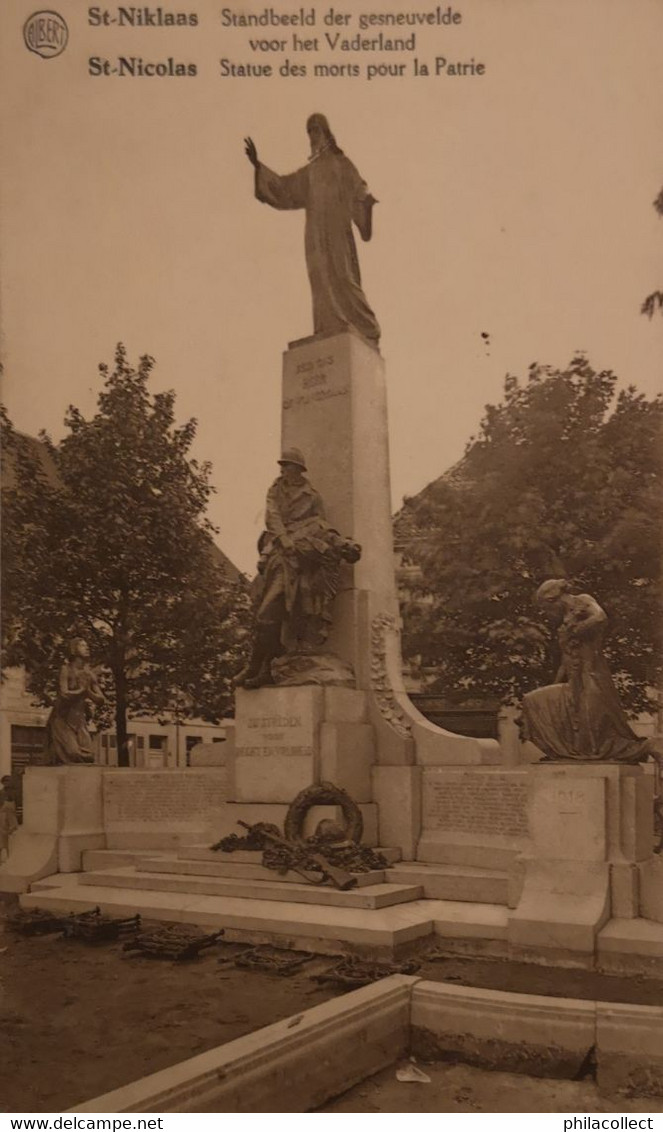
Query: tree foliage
[106,534]
[654,301]
[563,480]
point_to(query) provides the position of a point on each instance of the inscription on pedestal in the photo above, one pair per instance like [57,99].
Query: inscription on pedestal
[277,742]
[471,803]
[273,748]
[282,721]
[568,819]
[316,379]
[256,735]
[173,797]
[570,801]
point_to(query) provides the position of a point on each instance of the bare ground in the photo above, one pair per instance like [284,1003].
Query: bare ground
[530,978]
[77,1021]
[462,1088]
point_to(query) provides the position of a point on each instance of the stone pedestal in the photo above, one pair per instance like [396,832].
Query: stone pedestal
[63,816]
[591,831]
[277,743]
[335,411]
[371,739]
[290,738]
[293,737]
[651,889]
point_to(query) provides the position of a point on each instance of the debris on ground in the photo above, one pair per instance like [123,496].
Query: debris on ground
[273,960]
[34,921]
[172,943]
[352,972]
[229,952]
[412,1074]
[93,928]
[89,926]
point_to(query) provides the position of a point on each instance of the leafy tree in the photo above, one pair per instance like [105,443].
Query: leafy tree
[562,481]
[654,301]
[106,535]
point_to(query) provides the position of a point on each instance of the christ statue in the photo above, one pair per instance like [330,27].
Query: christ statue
[334,196]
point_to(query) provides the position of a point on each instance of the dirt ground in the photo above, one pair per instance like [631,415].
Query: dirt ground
[529,978]
[462,1088]
[77,1021]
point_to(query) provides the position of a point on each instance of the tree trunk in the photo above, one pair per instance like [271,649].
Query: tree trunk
[119,669]
[121,717]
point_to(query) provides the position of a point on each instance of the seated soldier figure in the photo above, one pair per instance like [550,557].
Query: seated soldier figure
[298,572]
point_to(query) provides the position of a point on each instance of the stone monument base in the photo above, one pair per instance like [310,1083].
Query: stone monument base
[473,815]
[63,817]
[591,830]
[289,738]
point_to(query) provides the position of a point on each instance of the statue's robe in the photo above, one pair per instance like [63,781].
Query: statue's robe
[582,719]
[67,737]
[297,586]
[333,194]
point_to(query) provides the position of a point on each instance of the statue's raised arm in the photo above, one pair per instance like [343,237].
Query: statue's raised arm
[251,152]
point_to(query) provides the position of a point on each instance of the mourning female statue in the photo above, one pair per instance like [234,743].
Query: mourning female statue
[298,577]
[334,196]
[67,737]
[579,717]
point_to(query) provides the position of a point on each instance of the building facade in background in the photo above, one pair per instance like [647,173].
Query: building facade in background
[151,743]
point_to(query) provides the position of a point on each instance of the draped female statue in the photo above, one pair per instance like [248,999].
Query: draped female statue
[579,717]
[67,737]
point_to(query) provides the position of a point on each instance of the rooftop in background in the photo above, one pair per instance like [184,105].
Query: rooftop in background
[229,568]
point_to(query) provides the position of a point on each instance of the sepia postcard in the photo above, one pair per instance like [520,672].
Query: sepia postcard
[169,172]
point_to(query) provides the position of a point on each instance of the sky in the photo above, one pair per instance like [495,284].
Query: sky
[515,205]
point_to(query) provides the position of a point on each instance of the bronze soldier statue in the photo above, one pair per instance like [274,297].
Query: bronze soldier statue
[298,572]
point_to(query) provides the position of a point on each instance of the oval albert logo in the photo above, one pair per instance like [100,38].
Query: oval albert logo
[46,33]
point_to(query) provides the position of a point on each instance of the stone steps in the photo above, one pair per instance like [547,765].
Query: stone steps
[461,919]
[227,866]
[325,929]
[274,888]
[204,853]
[94,859]
[453,882]
[119,858]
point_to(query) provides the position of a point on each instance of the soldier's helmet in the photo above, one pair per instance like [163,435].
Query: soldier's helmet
[293,456]
[330,831]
